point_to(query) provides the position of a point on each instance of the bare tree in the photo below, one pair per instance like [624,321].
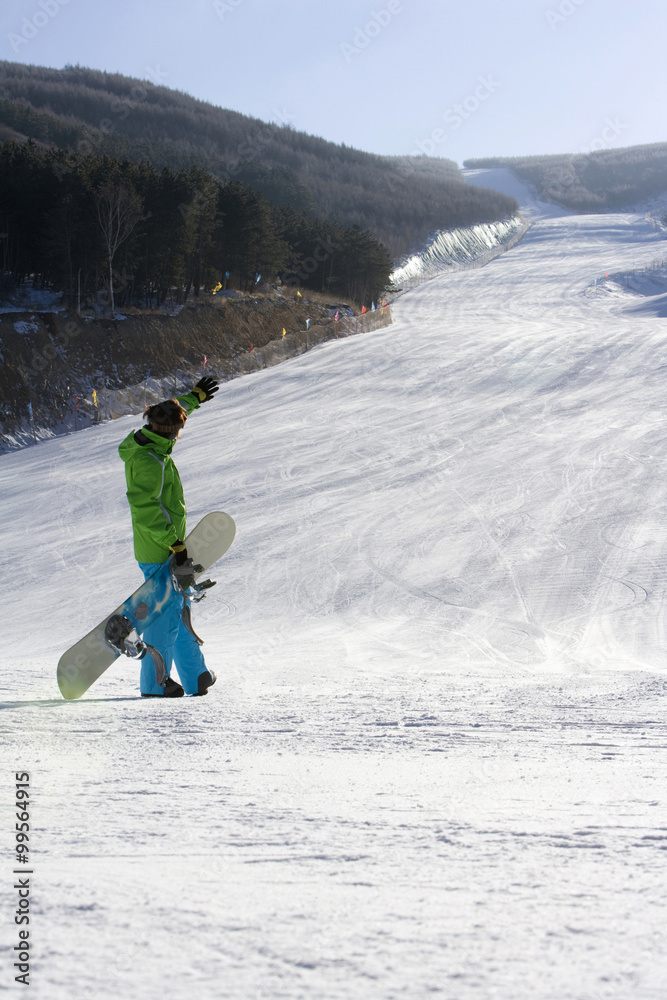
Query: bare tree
[118,212]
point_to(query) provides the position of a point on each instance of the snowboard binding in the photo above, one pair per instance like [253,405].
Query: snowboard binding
[123,637]
[183,578]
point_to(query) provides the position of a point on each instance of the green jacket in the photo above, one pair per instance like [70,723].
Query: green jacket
[154,490]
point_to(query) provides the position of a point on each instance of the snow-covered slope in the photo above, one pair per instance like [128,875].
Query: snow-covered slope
[503,180]
[433,762]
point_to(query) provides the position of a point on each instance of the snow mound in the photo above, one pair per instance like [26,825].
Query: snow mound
[25,326]
[648,285]
[26,297]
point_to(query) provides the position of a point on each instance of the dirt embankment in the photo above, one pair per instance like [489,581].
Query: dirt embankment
[61,372]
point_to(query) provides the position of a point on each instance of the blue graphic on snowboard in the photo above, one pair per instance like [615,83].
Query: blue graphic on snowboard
[122,631]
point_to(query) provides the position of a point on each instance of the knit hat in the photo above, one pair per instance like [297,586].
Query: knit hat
[166,418]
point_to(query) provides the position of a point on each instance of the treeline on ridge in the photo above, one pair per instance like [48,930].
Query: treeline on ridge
[402,200]
[92,224]
[591,182]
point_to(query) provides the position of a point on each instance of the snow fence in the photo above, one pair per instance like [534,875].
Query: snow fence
[459,248]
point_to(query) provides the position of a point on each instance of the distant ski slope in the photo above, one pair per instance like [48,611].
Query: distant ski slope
[503,180]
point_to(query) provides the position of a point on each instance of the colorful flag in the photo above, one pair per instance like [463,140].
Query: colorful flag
[284,332]
[307,323]
[205,360]
[94,398]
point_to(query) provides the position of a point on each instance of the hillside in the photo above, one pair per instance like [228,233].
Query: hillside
[400,199]
[593,182]
[61,371]
[110,233]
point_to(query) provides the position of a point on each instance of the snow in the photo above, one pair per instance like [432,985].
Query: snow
[24,326]
[503,180]
[637,291]
[433,763]
[26,297]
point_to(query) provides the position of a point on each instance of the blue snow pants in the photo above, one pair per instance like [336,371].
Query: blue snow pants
[178,647]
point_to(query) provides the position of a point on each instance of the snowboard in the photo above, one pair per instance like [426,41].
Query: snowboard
[87,659]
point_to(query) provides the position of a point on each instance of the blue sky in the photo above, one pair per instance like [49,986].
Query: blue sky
[486,77]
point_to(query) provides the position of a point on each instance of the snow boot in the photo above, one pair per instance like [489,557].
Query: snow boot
[171,690]
[204,682]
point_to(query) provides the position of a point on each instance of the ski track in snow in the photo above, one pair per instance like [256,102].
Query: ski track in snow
[433,761]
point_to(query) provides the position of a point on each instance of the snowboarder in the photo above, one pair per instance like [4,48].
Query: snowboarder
[155,495]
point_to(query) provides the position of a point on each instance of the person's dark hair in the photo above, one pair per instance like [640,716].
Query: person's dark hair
[166,418]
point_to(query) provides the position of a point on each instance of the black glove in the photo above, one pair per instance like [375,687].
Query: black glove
[180,552]
[183,572]
[205,388]
[183,568]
